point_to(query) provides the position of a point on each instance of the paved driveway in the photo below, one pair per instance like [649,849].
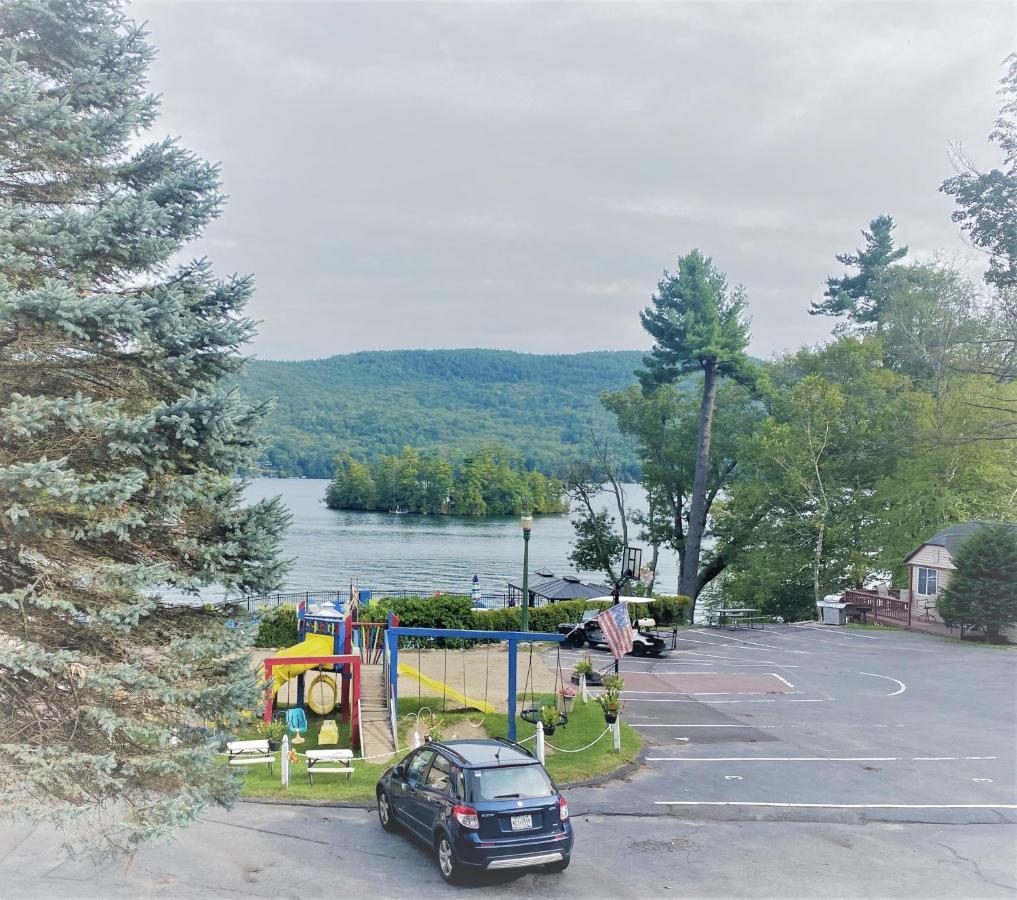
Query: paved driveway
[798,762]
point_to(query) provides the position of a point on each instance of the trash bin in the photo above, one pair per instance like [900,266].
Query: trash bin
[830,612]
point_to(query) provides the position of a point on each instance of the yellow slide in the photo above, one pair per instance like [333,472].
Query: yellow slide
[312,645]
[441,688]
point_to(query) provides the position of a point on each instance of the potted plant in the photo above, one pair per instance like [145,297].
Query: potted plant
[611,704]
[549,718]
[274,731]
[436,728]
[583,667]
[610,701]
[568,696]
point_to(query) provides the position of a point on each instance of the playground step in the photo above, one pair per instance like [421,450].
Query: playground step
[377,738]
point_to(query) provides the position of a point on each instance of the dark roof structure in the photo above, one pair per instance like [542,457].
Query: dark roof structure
[953,536]
[565,587]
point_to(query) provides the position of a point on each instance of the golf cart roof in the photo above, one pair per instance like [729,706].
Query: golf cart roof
[610,599]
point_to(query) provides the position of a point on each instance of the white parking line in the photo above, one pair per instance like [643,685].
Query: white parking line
[747,644]
[844,634]
[779,678]
[903,687]
[836,805]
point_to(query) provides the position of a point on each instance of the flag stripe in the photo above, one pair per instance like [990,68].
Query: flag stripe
[614,623]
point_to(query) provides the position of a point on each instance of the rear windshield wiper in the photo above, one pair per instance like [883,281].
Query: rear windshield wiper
[504,796]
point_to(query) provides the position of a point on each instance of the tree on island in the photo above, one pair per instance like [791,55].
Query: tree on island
[698,327]
[982,590]
[119,446]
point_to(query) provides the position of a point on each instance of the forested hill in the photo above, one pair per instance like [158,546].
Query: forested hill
[451,400]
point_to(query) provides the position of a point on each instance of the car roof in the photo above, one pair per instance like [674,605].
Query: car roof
[478,753]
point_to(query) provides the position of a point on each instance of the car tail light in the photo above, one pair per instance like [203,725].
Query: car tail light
[563,808]
[466,816]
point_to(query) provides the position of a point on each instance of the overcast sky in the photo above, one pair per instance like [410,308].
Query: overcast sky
[519,176]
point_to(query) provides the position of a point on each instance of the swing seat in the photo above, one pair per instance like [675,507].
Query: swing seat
[296,720]
[329,733]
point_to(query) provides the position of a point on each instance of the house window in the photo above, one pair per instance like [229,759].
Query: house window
[927,581]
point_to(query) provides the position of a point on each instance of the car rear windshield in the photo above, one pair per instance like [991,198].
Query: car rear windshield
[511,782]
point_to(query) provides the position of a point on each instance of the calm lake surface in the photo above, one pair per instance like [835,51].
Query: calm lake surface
[412,552]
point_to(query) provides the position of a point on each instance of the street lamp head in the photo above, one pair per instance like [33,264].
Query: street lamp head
[527,524]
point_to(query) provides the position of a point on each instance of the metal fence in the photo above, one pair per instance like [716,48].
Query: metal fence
[293,598]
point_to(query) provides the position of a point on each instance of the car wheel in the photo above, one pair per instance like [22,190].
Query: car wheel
[577,639]
[447,864]
[638,649]
[559,866]
[386,815]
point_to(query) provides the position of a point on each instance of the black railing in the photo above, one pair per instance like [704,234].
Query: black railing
[293,598]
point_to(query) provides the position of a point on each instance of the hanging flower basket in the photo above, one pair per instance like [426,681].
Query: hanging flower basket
[610,717]
[533,714]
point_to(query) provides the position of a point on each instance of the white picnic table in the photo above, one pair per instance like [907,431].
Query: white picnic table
[250,753]
[315,759]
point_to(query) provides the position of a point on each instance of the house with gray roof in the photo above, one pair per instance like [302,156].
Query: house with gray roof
[930,565]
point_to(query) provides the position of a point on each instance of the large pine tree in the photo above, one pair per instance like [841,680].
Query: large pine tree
[697,325]
[118,445]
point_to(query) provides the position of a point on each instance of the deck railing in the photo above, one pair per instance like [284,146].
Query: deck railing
[886,608]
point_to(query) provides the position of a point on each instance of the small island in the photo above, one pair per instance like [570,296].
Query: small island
[489,482]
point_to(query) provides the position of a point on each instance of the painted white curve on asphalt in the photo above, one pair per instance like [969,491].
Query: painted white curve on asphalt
[900,690]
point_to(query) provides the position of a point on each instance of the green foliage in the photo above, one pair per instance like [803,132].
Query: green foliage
[444,611]
[697,326]
[583,666]
[862,297]
[669,610]
[119,445]
[278,628]
[982,590]
[695,322]
[444,402]
[490,482]
[987,201]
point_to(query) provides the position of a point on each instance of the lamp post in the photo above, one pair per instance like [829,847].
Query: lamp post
[527,523]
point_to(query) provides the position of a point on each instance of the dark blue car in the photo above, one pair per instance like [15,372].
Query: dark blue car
[481,805]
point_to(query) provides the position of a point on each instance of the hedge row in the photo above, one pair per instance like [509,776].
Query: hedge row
[278,628]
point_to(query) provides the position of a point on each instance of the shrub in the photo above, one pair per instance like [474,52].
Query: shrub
[983,589]
[445,611]
[669,610]
[278,628]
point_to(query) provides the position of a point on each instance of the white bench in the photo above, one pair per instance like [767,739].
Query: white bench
[250,753]
[315,758]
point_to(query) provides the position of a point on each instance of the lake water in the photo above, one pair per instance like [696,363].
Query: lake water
[330,548]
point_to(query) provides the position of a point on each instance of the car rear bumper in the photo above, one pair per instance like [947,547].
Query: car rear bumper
[522,862]
[515,854]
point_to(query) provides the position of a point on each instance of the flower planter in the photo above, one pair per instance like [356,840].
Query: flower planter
[550,729]
[273,745]
[610,718]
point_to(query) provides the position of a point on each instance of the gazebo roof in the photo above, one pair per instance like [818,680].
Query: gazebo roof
[565,587]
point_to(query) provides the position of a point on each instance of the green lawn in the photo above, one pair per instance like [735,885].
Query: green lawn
[585,724]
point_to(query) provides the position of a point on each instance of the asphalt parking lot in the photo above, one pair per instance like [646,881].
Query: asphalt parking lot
[798,761]
[810,723]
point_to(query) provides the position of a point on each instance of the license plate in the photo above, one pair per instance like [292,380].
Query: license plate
[521,822]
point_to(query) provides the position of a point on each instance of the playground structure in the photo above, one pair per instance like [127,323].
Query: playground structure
[340,650]
[394,632]
[326,644]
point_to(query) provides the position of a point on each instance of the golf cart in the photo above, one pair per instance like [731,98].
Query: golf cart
[587,629]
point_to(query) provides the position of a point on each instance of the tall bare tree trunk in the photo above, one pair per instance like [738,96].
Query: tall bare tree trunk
[688,580]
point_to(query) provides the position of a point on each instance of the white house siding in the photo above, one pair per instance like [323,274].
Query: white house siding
[932,556]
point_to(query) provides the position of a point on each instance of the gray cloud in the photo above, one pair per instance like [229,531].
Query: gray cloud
[518,176]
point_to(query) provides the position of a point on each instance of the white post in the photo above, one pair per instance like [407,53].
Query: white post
[540,742]
[585,694]
[416,739]
[616,735]
[284,761]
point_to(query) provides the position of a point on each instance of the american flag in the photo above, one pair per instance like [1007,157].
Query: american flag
[614,622]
